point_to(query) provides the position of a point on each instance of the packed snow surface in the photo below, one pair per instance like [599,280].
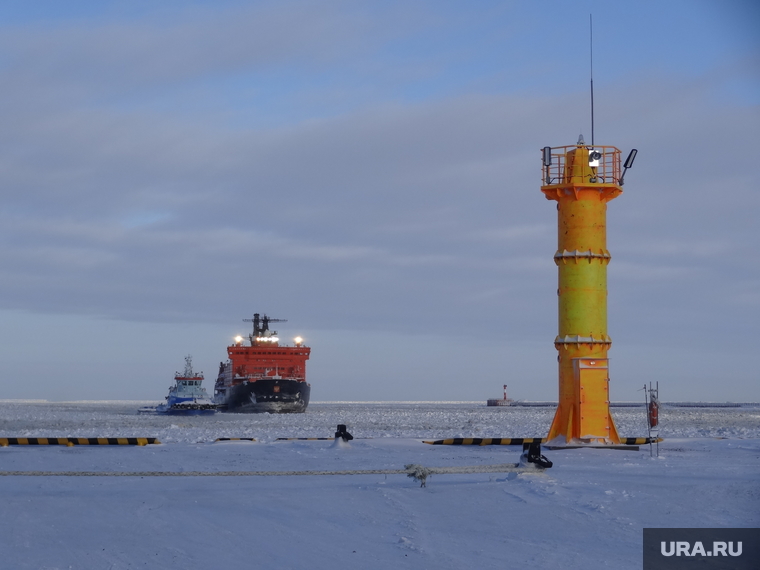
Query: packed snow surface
[587,511]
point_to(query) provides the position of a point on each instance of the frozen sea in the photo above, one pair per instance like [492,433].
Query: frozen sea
[416,420]
[588,511]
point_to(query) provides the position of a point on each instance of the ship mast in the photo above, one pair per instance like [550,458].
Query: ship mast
[261,328]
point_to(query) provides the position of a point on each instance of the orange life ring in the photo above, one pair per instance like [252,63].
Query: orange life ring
[653,413]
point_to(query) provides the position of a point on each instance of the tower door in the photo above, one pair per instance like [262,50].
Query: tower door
[592,382]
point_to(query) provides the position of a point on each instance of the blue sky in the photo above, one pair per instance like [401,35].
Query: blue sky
[370,172]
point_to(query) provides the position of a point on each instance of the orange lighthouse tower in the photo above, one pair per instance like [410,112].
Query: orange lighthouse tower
[582,179]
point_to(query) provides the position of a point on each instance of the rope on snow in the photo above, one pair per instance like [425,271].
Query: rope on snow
[417,472]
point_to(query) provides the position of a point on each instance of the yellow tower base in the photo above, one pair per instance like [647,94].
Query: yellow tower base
[584,416]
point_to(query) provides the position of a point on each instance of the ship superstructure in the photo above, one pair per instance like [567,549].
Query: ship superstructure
[263,376]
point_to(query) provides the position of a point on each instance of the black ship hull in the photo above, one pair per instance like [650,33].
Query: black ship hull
[276,396]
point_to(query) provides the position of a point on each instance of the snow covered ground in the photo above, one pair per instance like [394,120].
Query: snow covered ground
[588,511]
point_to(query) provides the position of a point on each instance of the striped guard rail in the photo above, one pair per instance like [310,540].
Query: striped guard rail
[639,440]
[486,441]
[235,439]
[305,439]
[6,441]
[72,441]
[312,438]
[522,441]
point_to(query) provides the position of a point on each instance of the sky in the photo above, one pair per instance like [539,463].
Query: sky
[371,172]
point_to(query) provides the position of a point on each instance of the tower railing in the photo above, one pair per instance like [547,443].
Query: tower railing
[607,170]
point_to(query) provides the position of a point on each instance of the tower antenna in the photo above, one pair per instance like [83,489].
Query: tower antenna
[591,38]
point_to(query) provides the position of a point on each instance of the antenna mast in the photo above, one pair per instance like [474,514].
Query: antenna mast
[591,37]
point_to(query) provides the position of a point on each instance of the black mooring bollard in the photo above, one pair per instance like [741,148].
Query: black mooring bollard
[532,452]
[342,433]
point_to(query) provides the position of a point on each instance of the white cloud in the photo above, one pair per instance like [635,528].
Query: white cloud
[143,178]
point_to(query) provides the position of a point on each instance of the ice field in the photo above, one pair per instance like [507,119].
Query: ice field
[423,420]
[587,511]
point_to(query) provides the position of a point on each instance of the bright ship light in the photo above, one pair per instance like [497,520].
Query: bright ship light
[238,339]
[298,340]
[267,339]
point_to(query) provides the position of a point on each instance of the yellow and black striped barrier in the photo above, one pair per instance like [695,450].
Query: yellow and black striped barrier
[235,439]
[312,438]
[526,440]
[114,440]
[486,441]
[72,441]
[639,440]
[305,439]
[6,441]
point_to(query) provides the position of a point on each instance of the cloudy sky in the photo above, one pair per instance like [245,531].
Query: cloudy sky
[370,171]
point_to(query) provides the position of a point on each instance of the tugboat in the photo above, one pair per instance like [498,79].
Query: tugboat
[187,396]
[263,376]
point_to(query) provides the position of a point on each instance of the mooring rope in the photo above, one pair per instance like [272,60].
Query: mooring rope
[410,470]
